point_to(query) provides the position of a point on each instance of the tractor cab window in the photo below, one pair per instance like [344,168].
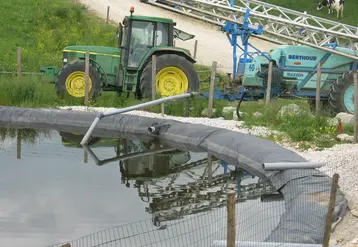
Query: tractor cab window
[124,36]
[142,38]
[162,34]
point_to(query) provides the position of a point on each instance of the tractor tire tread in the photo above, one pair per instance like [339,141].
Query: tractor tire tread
[336,92]
[66,70]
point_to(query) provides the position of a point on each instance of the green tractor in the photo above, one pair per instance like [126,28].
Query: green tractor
[128,68]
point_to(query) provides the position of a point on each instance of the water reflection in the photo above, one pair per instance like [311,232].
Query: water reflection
[158,181]
[178,183]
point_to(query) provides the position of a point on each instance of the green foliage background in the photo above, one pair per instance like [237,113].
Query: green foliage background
[43,28]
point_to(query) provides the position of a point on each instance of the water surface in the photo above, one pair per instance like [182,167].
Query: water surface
[51,191]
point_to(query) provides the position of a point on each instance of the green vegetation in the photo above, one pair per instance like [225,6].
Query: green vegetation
[300,126]
[27,135]
[32,92]
[43,28]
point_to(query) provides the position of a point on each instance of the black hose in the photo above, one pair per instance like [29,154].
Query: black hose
[239,104]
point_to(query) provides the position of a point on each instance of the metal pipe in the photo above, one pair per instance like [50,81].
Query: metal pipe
[131,108]
[222,243]
[291,165]
[286,37]
[151,129]
[90,130]
[150,103]
[91,153]
[126,156]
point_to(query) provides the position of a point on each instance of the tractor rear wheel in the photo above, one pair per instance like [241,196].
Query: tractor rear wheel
[71,81]
[341,96]
[175,75]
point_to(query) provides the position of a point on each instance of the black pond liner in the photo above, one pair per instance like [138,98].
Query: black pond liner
[304,218]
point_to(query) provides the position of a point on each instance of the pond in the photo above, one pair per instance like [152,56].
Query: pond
[52,191]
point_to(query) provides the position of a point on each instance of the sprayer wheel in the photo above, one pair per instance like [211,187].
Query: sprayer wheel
[341,96]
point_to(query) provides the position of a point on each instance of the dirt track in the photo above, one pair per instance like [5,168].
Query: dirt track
[213,44]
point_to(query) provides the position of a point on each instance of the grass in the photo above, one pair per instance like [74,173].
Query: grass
[32,92]
[303,128]
[43,28]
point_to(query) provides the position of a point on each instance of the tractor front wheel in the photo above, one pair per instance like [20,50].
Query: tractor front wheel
[175,75]
[71,81]
[341,96]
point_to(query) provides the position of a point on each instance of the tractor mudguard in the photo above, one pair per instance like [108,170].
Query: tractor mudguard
[104,78]
[165,50]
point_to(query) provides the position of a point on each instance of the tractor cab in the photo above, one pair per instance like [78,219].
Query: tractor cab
[138,38]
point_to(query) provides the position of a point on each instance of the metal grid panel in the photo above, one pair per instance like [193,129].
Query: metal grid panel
[280,24]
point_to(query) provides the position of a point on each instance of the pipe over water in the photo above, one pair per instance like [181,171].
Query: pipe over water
[291,165]
[132,108]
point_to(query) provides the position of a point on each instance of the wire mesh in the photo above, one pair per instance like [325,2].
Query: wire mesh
[267,219]
[193,230]
[259,212]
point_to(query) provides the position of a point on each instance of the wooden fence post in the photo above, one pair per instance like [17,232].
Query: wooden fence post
[19,62]
[269,82]
[212,86]
[332,202]
[355,80]
[86,77]
[318,89]
[195,49]
[154,75]
[107,20]
[231,219]
[210,169]
[18,142]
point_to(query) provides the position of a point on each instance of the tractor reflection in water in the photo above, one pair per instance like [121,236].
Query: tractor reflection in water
[177,183]
[189,188]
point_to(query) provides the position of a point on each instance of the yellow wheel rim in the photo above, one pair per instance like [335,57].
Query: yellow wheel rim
[75,84]
[171,81]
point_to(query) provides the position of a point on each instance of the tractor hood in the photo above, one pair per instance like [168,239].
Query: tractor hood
[98,50]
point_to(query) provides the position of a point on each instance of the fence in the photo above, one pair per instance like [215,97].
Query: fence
[211,88]
[215,66]
[246,216]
